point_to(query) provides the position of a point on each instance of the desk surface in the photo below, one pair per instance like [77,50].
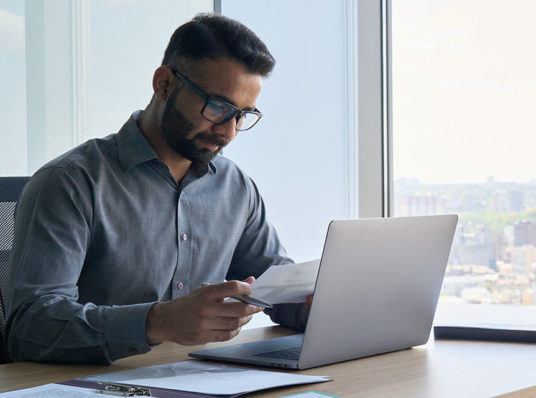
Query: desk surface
[441,368]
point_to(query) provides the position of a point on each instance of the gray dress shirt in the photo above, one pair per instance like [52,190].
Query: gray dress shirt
[104,231]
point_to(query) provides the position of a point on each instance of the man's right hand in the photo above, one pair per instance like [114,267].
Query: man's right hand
[201,316]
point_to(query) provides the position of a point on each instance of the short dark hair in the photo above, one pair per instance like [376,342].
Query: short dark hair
[214,36]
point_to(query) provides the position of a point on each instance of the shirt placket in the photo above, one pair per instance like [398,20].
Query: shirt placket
[180,284]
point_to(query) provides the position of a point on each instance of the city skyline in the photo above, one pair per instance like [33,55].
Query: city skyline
[493,255]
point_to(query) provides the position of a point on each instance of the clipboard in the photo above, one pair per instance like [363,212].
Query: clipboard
[129,390]
[192,378]
[184,379]
[79,387]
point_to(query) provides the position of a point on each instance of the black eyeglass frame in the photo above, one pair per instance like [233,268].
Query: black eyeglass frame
[238,113]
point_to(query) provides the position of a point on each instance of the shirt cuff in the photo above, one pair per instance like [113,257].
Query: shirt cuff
[290,315]
[126,334]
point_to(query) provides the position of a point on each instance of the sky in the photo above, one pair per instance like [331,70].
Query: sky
[464,90]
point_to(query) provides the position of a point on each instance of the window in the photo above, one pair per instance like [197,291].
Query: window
[13,89]
[464,81]
[127,43]
[316,153]
[74,70]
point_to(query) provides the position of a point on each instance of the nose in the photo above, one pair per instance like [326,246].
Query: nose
[227,130]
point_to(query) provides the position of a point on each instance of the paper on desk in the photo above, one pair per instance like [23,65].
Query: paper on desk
[290,283]
[309,394]
[206,378]
[51,391]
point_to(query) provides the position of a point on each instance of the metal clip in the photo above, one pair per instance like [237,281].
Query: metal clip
[124,390]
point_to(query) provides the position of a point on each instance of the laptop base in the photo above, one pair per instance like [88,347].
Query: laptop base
[255,353]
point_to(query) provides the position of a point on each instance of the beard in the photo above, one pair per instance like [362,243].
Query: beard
[176,128]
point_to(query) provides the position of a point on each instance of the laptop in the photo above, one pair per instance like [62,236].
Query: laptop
[376,292]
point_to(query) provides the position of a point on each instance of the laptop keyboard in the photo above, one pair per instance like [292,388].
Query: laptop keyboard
[292,353]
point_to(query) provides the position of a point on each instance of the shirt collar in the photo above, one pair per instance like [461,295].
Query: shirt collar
[133,148]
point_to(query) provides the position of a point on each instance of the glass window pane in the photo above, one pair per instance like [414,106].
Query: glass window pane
[464,79]
[127,43]
[12,89]
[297,153]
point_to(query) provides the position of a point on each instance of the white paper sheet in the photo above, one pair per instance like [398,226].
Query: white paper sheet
[52,391]
[309,394]
[206,378]
[289,283]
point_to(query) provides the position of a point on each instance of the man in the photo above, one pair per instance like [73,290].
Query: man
[114,238]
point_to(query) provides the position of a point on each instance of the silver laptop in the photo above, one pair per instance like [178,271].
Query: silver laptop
[376,291]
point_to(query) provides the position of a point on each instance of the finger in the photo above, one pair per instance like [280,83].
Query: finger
[224,335]
[227,289]
[225,323]
[249,279]
[230,310]
[309,299]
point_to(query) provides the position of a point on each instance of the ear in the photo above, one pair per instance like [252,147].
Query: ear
[163,83]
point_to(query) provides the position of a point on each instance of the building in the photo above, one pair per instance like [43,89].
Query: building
[473,245]
[524,233]
[522,258]
[419,204]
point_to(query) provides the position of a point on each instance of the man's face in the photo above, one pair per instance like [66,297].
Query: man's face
[182,125]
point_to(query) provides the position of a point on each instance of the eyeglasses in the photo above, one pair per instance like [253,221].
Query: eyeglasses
[219,111]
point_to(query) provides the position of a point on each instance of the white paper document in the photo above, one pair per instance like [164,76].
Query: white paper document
[290,283]
[206,378]
[52,391]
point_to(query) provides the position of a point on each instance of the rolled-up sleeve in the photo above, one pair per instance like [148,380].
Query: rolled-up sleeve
[45,321]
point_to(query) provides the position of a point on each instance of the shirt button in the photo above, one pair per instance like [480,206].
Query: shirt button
[184,237]
[180,285]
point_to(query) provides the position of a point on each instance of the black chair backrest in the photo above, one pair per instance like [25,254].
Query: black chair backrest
[10,190]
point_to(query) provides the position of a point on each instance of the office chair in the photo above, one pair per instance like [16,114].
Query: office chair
[10,190]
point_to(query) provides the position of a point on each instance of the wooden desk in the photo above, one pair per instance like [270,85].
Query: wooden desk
[440,368]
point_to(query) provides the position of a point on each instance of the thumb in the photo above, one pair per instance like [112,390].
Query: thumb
[249,279]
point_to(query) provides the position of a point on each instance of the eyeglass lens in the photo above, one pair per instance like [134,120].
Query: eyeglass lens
[220,112]
[247,121]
